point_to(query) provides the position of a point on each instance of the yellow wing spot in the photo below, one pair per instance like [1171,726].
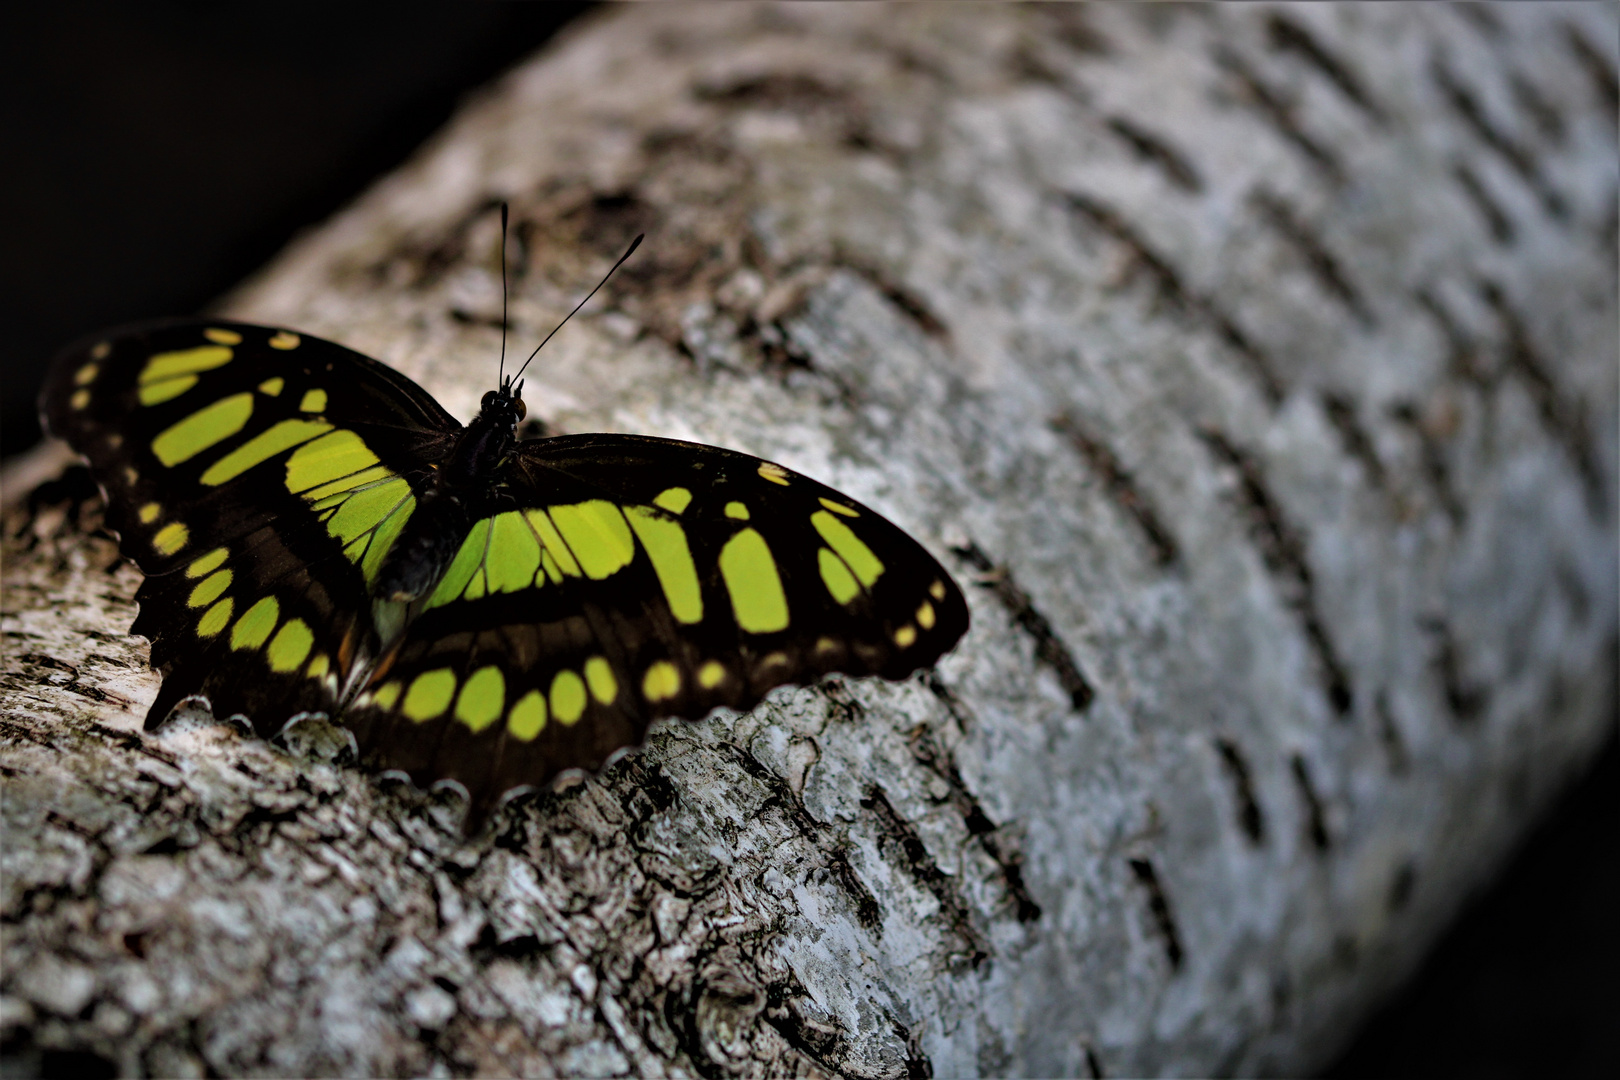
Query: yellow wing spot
[291,645]
[87,374]
[567,697]
[253,628]
[905,636]
[513,557]
[482,698]
[774,473]
[865,565]
[130,475]
[675,499]
[101,350]
[839,508]
[203,565]
[736,511]
[171,538]
[937,589]
[556,556]
[211,588]
[597,534]
[222,337]
[80,399]
[215,618]
[836,576]
[386,695]
[262,447]
[925,616]
[662,681]
[149,513]
[313,401]
[319,666]
[664,540]
[599,677]
[826,646]
[711,674]
[207,426]
[751,578]
[772,664]
[273,387]
[333,455]
[430,694]
[285,339]
[527,717]
[168,375]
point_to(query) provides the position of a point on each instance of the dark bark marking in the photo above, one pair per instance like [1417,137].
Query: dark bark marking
[1323,264]
[904,844]
[1093,1064]
[1467,107]
[1049,648]
[1156,151]
[1159,906]
[1565,422]
[1496,218]
[1434,460]
[1285,35]
[1402,886]
[1465,698]
[1548,120]
[1463,357]
[1250,820]
[1270,104]
[1170,288]
[1341,413]
[1598,69]
[1315,819]
[932,755]
[1121,487]
[910,304]
[1282,549]
[1483,18]
[1389,733]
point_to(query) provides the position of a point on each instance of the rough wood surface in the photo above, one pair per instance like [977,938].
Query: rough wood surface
[1255,366]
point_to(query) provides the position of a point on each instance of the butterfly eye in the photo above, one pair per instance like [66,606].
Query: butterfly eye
[523,410]
[489,399]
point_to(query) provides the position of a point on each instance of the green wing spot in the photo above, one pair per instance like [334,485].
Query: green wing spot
[599,677]
[261,448]
[662,681]
[329,495]
[736,511]
[168,375]
[253,628]
[209,590]
[205,564]
[202,429]
[755,586]
[386,534]
[86,374]
[514,554]
[290,646]
[273,387]
[527,717]
[366,510]
[313,401]
[430,694]
[555,550]
[171,538]
[319,666]
[866,565]
[596,532]
[221,336]
[836,576]
[462,567]
[482,697]
[334,455]
[838,508]
[665,544]
[386,694]
[567,697]
[215,618]
[675,499]
[711,674]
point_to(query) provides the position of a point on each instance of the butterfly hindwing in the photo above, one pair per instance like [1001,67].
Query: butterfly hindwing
[613,579]
[255,476]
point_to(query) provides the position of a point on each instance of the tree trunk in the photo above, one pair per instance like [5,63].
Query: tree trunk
[1254,368]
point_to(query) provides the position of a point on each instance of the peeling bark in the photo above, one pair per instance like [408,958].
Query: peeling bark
[1255,367]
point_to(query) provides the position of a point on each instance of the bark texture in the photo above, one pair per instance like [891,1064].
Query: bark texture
[1255,367]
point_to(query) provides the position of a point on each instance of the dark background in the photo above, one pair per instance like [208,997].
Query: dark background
[157,154]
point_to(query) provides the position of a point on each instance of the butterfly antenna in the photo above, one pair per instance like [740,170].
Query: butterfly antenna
[503,290]
[633,245]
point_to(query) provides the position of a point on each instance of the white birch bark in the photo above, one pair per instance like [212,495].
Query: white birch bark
[1255,369]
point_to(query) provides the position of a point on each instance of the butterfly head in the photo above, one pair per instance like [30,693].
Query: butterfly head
[504,408]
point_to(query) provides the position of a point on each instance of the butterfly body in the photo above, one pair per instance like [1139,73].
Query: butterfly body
[319,536]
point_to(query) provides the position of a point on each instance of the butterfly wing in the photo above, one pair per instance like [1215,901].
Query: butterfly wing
[256,476]
[614,579]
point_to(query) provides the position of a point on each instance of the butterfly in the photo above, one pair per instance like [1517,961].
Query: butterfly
[318,535]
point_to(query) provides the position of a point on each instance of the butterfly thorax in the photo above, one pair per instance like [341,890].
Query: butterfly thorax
[446,500]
